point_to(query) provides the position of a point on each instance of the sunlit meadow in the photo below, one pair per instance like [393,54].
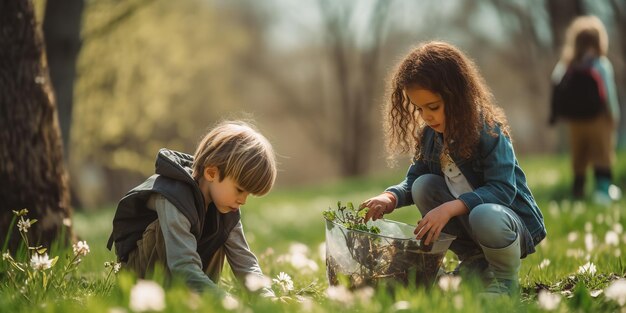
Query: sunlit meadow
[577,267]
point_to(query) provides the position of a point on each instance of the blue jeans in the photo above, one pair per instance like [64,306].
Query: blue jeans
[491,225]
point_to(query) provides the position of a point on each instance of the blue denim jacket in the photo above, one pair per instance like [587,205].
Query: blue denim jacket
[493,172]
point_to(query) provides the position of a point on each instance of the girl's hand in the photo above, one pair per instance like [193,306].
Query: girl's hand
[379,206]
[430,226]
[434,221]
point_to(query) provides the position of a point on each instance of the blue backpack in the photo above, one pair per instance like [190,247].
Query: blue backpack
[579,95]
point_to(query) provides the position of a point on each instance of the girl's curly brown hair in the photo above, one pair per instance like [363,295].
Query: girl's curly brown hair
[443,69]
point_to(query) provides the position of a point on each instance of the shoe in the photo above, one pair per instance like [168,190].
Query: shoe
[473,265]
[504,265]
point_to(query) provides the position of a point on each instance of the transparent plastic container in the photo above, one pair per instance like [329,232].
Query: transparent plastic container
[365,259]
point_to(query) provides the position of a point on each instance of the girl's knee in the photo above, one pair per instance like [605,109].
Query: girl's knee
[423,188]
[486,219]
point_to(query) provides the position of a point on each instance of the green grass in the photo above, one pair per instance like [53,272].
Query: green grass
[576,235]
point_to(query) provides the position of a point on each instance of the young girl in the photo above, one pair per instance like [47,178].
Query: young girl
[464,178]
[592,139]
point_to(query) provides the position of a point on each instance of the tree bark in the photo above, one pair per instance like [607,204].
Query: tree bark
[32,171]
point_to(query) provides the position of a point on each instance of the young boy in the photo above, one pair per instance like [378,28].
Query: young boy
[186,216]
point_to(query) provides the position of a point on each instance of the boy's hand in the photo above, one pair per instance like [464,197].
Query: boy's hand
[379,206]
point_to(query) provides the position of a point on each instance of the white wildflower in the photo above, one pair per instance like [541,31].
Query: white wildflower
[401,305]
[81,248]
[230,303]
[365,294]
[458,302]
[302,262]
[298,248]
[548,301]
[618,228]
[611,238]
[340,294]
[147,295]
[544,263]
[588,227]
[572,236]
[6,256]
[588,268]
[23,225]
[589,242]
[67,222]
[595,293]
[116,267]
[599,219]
[255,282]
[283,280]
[449,282]
[574,253]
[40,262]
[617,291]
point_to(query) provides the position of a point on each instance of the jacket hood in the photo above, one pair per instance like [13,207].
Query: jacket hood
[175,165]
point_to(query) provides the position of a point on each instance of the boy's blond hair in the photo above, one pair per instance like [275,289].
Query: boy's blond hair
[240,152]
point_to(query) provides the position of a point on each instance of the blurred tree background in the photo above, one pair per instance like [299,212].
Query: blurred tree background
[312,75]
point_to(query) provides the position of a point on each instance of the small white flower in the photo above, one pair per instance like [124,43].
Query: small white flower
[588,227]
[595,293]
[617,291]
[544,263]
[81,248]
[255,282]
[67,222]
[401,305]
[23,225]
[574,253]
[340,294]
[572,236]
[589,242]
[6,256]
[618,228]
[548,301]
[230,303]
[284,281]
[611,238]
[302,262]
[298,248]
[116,267]
[40,262]
[449,282]
[147,295]
[365,294]
[588,268]
[458,302]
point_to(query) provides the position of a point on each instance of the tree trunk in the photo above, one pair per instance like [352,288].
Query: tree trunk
[32,172]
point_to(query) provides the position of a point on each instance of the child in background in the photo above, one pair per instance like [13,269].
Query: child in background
[186,216]
[593,138]
[464,178]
